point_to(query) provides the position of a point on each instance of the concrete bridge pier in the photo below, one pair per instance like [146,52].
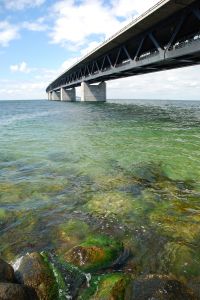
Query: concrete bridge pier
[49,95]
[55,96]
[93,92]
[68,95]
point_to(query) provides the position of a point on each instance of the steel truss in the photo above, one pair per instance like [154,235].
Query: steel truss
[173,43]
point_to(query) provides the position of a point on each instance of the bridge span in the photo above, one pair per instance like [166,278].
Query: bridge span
[165,37]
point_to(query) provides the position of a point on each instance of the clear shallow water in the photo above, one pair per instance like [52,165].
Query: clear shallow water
[68,170]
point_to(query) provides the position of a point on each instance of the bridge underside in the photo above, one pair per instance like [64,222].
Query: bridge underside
[172,43]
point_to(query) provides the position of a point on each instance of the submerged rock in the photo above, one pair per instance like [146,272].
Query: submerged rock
[105,287]
[12,291]
[71,233]
[181,260]
[157,287]
[149,173]
[111,203]
[95,253]
[34,272]
[6,272]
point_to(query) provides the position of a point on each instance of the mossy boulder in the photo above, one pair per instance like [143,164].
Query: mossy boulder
[69,278]
[33,271]
[13,291]
[95,253]
[111,287]
[158,287]
[106,287]
[6,272]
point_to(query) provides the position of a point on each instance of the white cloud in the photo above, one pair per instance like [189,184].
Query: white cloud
[91,46]
[22,67]
[22,90]
[178,84]
[8,32]
[67,64]
[37,25]
[75,24]
[22,4]
[34,86]
[130,8]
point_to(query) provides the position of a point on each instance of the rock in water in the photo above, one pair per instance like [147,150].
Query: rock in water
[34,272]
[95,253]
[12,291]
[6,272]
[158,287]
[68,277]
[105,287]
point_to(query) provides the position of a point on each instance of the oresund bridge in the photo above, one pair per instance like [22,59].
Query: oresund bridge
[165,37]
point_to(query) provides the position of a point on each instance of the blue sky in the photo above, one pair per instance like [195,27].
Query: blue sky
[39,39]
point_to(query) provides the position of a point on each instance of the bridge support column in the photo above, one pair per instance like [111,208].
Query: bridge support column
[49,95]
[94,93]
[55,96]
[68,95]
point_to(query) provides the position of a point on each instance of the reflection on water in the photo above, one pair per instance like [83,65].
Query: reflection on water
[69,170]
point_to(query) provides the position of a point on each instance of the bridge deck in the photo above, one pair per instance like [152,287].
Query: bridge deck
[166,36]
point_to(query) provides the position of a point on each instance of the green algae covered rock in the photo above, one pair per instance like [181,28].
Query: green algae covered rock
[158,287]
[69,278]
[95,253]
[33,271]
[105,287]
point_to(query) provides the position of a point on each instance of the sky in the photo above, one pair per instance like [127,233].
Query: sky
[40,39]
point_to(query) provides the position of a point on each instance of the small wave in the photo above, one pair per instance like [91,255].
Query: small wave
[16,118]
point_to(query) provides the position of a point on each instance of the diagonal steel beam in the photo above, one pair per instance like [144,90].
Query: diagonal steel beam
[92,68]
[196,12]
[118,54]
[88,70]
[108,57]
[177,29]
[104,60]
[96,64]
[103,63]
[126,52]
[84,71]
[155,42]
[139,48]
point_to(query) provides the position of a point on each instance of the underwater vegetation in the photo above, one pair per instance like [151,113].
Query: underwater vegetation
[109,208]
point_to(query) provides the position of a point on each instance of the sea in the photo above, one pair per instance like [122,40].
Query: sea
[129,169]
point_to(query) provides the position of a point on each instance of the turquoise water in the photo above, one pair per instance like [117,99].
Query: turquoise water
[127,170]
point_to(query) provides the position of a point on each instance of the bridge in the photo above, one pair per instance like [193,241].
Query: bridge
[165,37]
